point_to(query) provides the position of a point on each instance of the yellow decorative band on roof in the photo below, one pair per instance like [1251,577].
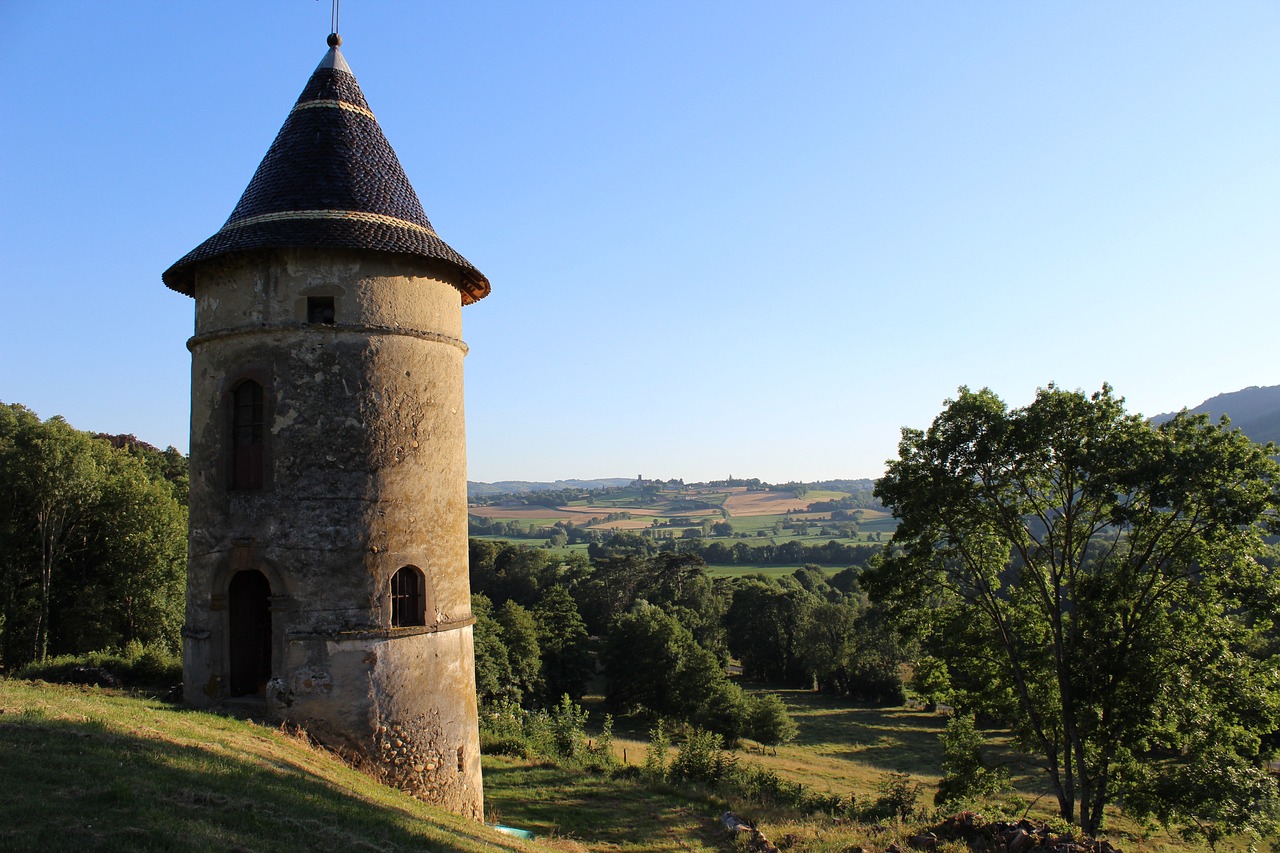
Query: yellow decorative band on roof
[342,105]
[341,215]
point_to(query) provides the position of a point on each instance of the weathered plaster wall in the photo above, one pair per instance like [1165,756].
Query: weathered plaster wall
[365,472]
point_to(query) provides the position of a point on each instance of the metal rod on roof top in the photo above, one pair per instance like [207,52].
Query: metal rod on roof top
[333,17]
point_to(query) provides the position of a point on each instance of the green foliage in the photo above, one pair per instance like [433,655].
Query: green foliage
[495,684]
[931,681]
[519,635]
[1086,578]
[967,780]
[1206,797]
[899,796]
[767,721]
[655,759]
[556,734]
[137,665]
[567,664]
[654,665]
[702,758]
[766,622]
[92,540]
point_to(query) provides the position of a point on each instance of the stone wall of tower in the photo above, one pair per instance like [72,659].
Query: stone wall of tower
[364,473]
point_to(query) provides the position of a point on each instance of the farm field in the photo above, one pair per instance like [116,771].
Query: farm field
[753,515]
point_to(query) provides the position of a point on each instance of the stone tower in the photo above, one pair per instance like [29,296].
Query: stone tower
[327,574]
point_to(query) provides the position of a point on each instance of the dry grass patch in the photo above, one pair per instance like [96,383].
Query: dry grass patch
[746,503]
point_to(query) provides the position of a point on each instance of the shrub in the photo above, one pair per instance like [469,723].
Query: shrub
[655,760]
[701,758]
[138,665]
[768,722]
[558,734]
[899,794]
[966,779]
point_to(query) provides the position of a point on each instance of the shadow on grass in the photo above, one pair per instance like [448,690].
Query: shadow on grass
[78,786]
[595,809]
[889,739]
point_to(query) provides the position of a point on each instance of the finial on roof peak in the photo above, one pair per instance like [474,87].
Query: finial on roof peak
[334,40]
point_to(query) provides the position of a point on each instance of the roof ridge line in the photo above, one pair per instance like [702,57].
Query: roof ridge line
[358,215]
[333,102]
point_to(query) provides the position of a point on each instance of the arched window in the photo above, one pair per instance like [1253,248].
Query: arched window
[246,435]
[408,603]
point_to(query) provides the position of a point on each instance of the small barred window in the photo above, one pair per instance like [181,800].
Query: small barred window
[407,598]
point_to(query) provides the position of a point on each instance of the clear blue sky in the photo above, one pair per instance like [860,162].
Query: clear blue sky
[725,237]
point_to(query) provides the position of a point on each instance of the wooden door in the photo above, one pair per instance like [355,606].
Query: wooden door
[249,603]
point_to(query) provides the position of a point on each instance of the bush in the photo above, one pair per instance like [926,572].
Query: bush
[701,758]
[138,665]
[966,779]
[655,759]
[899,794]
[558,735]
[768,722]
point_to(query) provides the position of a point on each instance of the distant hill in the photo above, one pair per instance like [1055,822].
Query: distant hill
[520,487]
[1254,411]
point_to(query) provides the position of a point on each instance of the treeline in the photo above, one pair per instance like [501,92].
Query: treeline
[649,492]
[93,540]
[831,554]
[665,632]
[654,541]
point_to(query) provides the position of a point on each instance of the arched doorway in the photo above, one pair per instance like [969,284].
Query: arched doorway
[249,606]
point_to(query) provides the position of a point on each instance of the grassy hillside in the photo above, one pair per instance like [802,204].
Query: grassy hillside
[87,769]
[83,769]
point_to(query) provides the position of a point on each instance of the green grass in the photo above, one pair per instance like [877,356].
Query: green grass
[87,769]
[596,811]
[741,571]
[815,495]
[843,749]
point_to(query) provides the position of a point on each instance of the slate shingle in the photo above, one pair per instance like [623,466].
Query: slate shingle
[330,179]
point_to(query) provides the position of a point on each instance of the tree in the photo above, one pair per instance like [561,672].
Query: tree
[92,540]
[967,779]
[653,663]
[1103,567]
[768,722]
[765,623]
[494,682]
[567,664]
[520,636]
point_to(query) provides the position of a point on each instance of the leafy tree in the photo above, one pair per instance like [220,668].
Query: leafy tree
[520,636]
[494,682]
[1104,567]
[1209,797]
[829,641]
[765,624]
[851,651]
[54,474]
[966,778]
[653,663]
[567,664]
[92,540]
[611,590]
[768,722]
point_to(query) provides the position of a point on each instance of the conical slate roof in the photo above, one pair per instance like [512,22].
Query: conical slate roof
[330,180]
